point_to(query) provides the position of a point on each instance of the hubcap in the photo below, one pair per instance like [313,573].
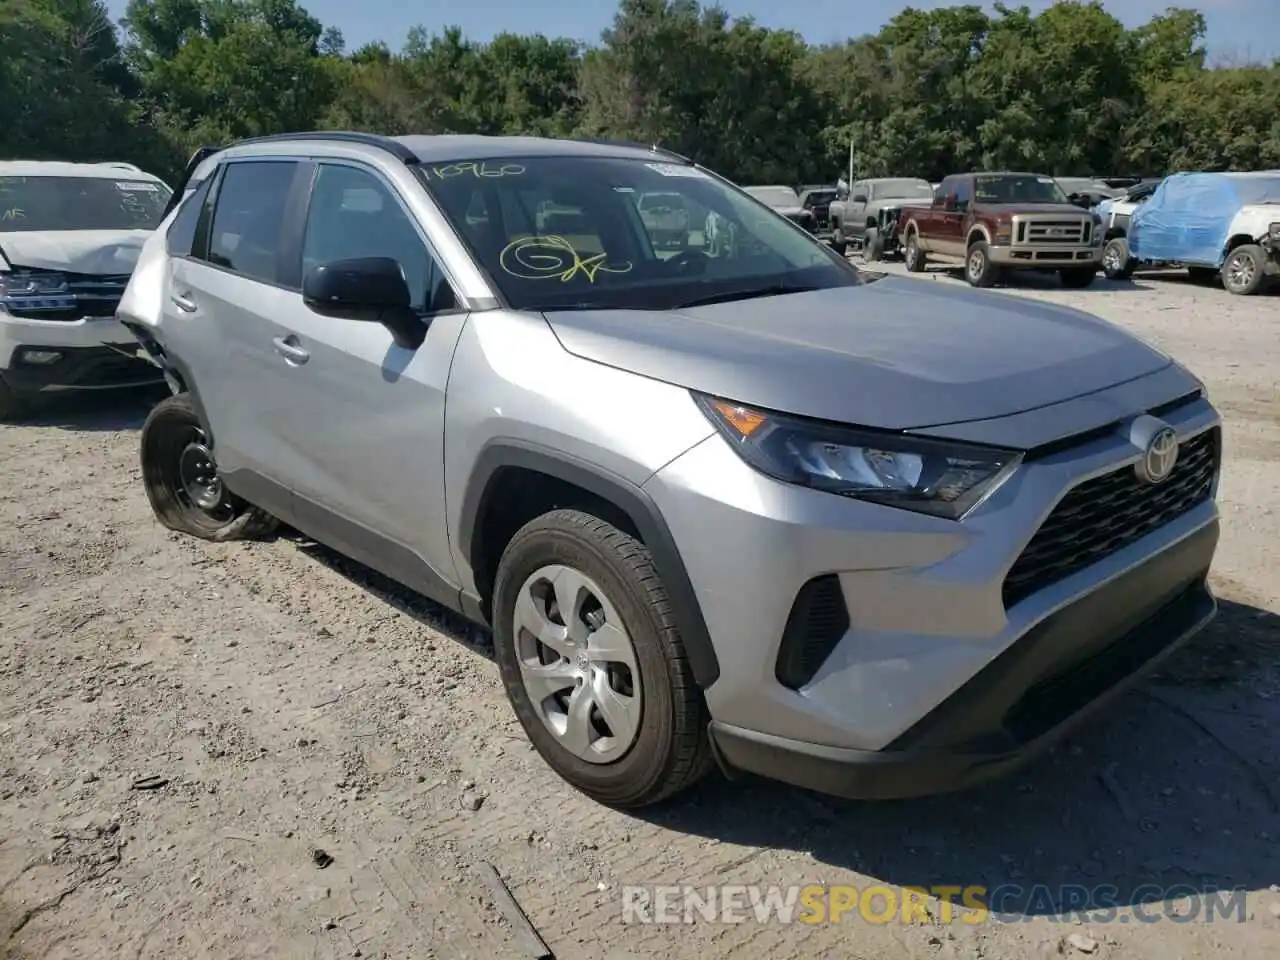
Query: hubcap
[1111,259]
[578,664]
[199,475]
[1240,271]
[976,263]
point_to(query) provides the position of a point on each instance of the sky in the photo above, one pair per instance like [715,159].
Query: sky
[1238,29]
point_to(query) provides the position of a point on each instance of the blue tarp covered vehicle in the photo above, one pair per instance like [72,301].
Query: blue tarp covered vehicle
[1200,220]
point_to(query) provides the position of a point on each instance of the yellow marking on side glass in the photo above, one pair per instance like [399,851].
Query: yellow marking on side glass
[549,257]
[14,213]
[478,170]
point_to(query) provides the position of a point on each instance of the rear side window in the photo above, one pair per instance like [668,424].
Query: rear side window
[248,217]
[182,230]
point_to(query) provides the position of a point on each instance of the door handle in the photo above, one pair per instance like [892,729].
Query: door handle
[289,348]
[183,303]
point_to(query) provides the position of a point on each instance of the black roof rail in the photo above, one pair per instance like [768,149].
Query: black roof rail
[636,145]
[393,147]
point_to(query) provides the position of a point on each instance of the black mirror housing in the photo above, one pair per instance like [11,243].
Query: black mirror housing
[372,283]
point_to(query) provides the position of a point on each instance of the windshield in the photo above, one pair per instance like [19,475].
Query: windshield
[1017,188]
[558,233]
[902,190]
[80,203]
[774,196]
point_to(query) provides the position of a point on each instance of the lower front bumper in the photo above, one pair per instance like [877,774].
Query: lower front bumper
[1045,257]
[1036,692]
[100,367]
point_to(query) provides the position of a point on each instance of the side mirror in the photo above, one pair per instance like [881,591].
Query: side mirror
[859,198]
[370,283]
[1079,199]
[368,289]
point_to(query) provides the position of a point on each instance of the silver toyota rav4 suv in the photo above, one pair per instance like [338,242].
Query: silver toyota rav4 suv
[875,537]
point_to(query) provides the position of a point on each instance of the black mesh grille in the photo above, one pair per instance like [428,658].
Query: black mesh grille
[1110,512]
[818,620]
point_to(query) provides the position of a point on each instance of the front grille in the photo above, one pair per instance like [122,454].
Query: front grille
[1106,514]
[818,620]
[87,295]
[1054,231]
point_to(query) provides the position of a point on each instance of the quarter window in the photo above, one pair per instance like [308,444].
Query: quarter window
[354,215]
[249,215]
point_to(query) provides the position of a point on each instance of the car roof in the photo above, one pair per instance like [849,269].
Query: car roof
[61,168]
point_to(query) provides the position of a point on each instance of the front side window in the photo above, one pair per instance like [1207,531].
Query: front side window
[963,194]
[1017,188]
[354,215]
[249,213]
[580,232]
[29,204]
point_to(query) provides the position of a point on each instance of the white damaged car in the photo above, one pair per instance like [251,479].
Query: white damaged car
[69,237]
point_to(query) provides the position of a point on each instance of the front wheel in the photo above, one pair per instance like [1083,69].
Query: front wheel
[913,255]
[182,480]
[1117,264]
[1245,270]
[1077,278]
[838,242]
[872,246]
[978,268]
[593,664]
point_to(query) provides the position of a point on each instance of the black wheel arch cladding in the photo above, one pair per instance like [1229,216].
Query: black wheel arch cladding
[617,491]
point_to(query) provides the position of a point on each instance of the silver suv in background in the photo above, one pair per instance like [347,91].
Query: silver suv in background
[69,236]
[871,536]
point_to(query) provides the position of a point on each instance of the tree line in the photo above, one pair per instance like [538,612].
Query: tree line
[1068,91]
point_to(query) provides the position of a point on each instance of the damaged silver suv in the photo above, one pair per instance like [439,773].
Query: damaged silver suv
[742,506]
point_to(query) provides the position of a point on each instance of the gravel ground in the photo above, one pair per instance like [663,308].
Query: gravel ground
[285,701]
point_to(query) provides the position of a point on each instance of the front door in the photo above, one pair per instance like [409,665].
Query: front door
[365,424]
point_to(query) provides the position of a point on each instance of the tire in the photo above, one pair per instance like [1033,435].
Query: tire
[1244,272]
[1077,278]
[978,268]
[669,749]
[1205,275]
[872,246]
[838,242]
[912,255]
[168,436]
[11,405]
[1117,263]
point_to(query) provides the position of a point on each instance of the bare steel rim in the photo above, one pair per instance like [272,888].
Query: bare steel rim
[977,262]
[912,253]
[578,663]
[1240,270]
[1111,258]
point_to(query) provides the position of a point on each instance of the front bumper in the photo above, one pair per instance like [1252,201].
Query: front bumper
[906,681]
[96,354]
[1035,693]
[1045,256]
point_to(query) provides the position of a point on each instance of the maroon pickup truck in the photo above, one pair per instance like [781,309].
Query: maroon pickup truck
[991,222]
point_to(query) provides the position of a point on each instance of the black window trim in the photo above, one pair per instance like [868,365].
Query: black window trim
[460,305]
[301,181]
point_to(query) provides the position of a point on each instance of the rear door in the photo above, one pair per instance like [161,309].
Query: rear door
[227,295]
[949,220]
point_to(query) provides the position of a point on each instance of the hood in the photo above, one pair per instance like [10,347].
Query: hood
[75,251]
[896,354]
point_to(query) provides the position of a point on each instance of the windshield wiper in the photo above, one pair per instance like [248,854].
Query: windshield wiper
[773,290]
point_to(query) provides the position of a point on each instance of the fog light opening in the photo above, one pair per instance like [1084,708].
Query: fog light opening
[41,357]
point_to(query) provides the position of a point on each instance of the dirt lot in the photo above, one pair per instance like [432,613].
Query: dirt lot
[288,701]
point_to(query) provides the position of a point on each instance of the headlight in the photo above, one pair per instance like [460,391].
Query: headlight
[29,284]
[1274,229]
[937,477]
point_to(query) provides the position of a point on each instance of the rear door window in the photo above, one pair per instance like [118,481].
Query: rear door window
[248,215]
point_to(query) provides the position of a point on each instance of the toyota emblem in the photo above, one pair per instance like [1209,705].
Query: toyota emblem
[1160,456]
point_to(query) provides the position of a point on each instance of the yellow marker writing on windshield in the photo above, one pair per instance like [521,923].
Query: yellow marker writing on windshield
[545,258]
